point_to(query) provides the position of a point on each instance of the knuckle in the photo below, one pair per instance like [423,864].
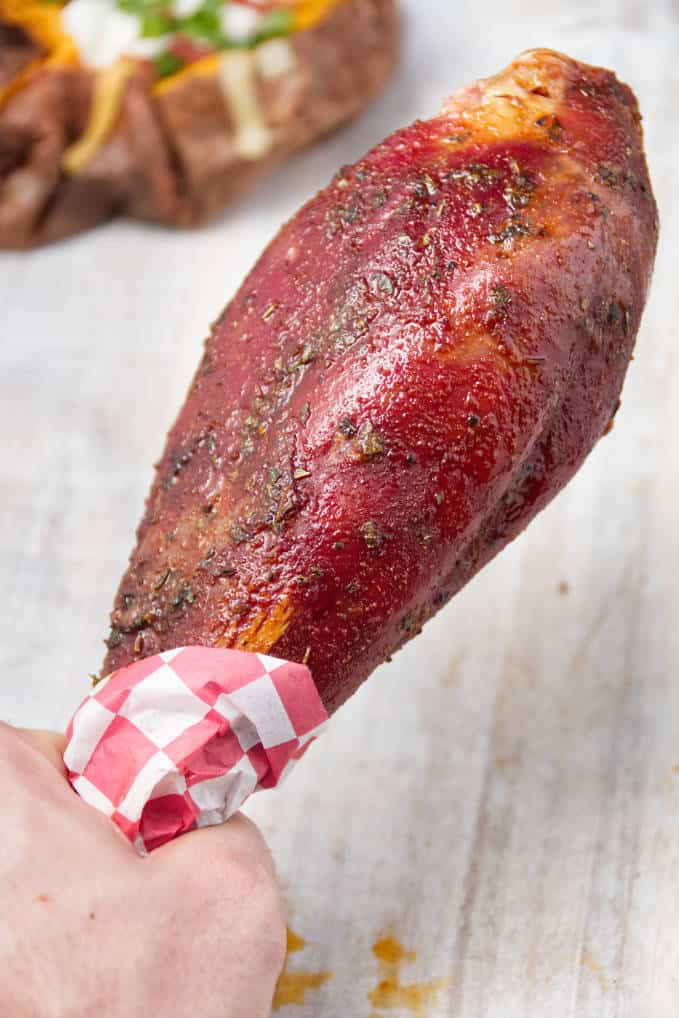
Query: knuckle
[261,906]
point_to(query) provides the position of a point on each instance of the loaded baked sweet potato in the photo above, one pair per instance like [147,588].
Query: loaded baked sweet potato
[417,364]
[166,109]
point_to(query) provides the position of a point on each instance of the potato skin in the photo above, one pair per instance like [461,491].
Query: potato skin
[172,157]
[416,365]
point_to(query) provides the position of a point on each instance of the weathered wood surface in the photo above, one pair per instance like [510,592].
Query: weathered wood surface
[503,799]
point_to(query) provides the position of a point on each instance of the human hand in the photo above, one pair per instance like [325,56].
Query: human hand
[87,927]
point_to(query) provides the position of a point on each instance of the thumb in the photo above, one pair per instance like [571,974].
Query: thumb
[230,872]
[224,895]
[238,840]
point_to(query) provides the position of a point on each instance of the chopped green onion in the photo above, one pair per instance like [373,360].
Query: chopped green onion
[154,24]
[167,64]
[275,23]
[204,25]
[140,6]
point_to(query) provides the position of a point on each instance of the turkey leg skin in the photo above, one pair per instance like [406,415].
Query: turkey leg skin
[416,365]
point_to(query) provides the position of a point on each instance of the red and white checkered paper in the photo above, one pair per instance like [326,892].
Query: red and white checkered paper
[180,740]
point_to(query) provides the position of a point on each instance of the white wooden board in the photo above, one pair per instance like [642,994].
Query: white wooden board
[503,799]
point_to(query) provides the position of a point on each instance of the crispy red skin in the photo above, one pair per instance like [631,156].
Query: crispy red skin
[416,365]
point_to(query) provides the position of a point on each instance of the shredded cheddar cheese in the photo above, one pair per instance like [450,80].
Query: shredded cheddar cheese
[42,22]
[308,13]
[106,102]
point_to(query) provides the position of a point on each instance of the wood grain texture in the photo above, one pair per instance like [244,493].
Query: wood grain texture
[502,799]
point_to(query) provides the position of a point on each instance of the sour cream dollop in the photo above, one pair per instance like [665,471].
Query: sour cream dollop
[103,33]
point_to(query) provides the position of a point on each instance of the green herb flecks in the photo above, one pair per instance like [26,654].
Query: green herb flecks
[275,23]
[205,27]
[167,64]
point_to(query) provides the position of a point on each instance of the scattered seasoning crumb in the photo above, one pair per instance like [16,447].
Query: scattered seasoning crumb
[163,580]
[473,420]
[429,185]
[114,638]
[555,130]
[612,313]
[347,427]
[372,535]
[305,413]
[384,282]
[501,296]
[348,215]
[509,232]
[371,441]
[138,644]
[439,497]
[338,546]
[184,597]
[564,588]
[627,320]
[300,473]
[611,421]
[269,312]
[238,534]
[610,174]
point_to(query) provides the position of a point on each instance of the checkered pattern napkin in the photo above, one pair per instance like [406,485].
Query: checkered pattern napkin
[180,740]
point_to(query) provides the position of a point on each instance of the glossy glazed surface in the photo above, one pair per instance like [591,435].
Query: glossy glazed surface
[416,365]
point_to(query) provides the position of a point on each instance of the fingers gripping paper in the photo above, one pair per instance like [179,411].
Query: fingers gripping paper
[180,740]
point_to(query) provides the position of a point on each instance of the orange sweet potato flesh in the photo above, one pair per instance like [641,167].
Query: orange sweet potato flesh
[417,364]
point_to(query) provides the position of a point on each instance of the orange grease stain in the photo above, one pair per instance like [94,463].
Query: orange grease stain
[293,986]
[295,943]
[390,993]
[589,962]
